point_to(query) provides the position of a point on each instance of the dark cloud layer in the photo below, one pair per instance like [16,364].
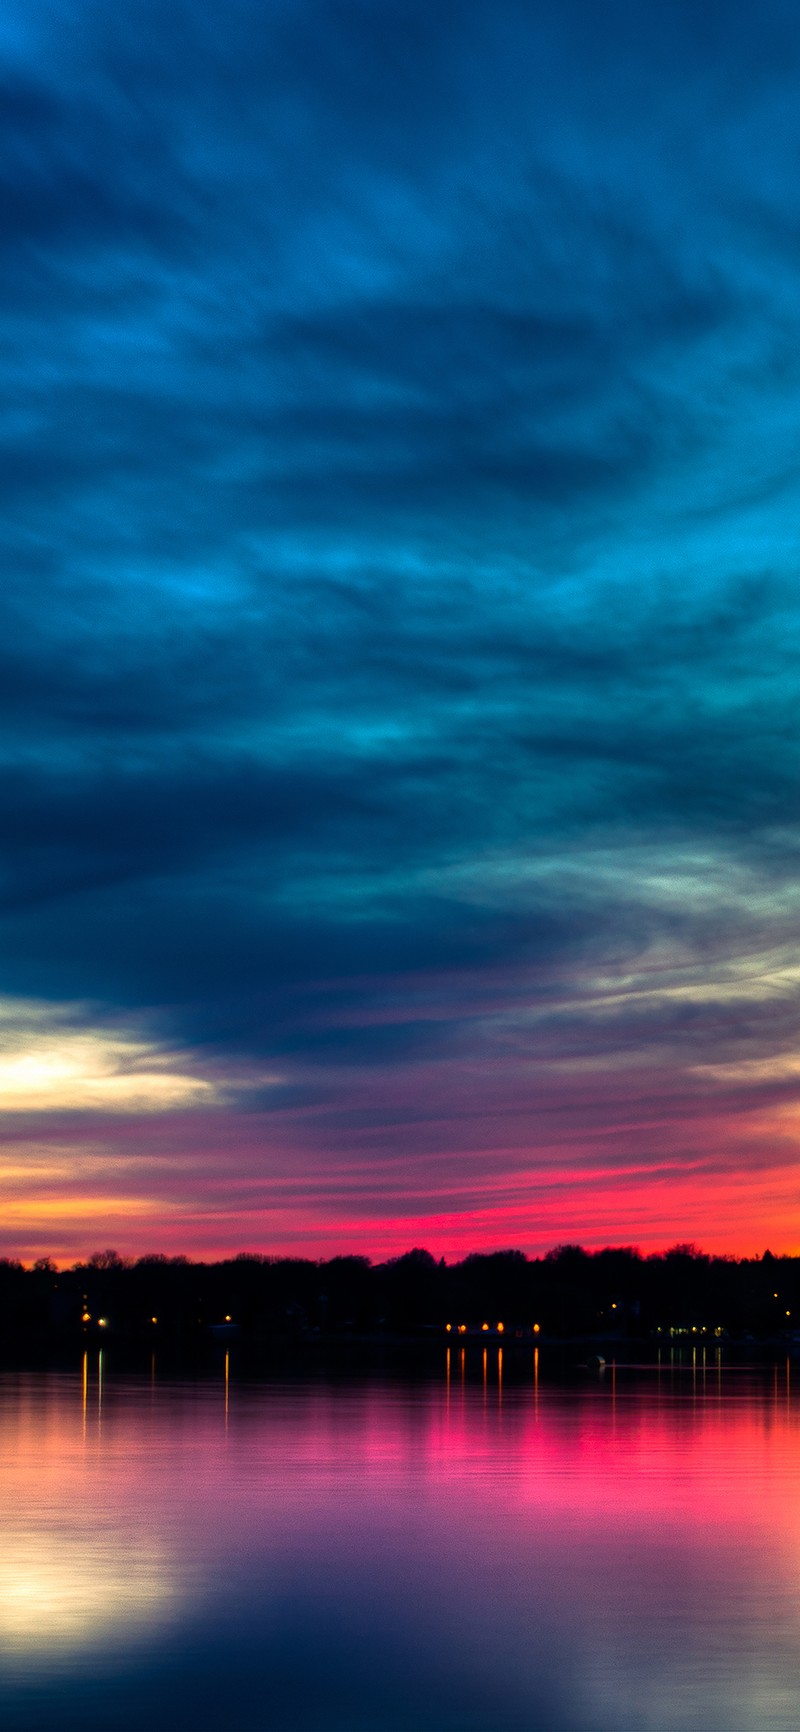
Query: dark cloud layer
[398,527]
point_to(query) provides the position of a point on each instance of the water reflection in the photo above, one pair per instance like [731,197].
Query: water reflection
[486,1551]
[67,1589]
[80,1564]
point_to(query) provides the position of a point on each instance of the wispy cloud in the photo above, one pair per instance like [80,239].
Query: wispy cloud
[399,625]
[54,1059]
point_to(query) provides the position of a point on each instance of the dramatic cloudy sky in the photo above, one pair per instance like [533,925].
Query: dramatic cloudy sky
[399,624]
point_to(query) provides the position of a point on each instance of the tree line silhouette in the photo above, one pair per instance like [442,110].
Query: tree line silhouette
[615,1293]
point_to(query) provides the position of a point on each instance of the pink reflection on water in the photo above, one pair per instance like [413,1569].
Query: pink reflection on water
[643,1533]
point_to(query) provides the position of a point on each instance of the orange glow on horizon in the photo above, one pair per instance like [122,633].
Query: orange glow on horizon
[63,1203]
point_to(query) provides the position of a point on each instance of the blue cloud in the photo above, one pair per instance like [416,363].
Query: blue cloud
[398,429]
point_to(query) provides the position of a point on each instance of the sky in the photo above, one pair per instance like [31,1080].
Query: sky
[399,626]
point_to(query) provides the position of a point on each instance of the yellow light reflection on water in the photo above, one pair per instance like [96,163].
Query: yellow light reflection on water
[63,1590]
[84,1558]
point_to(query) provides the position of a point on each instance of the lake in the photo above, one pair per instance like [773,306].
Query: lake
[480,1547]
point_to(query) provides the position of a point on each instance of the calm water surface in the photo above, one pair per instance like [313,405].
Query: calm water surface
[618,1552]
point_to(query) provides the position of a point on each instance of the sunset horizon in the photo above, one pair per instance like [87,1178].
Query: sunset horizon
[399,629]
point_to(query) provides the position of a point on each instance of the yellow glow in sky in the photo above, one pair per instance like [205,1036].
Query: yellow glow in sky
[47,1063]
